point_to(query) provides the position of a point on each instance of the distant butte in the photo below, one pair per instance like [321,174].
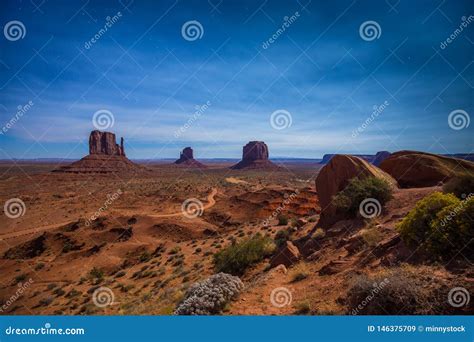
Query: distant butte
[255,156]
[186,158]
[105,156]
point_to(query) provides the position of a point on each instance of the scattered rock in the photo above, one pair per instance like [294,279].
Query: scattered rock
[333,267]
[287,256]
[27,250]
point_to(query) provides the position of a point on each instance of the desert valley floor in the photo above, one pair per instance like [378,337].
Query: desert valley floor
[148,253]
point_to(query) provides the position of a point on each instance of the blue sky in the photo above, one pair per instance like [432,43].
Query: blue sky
[319,70]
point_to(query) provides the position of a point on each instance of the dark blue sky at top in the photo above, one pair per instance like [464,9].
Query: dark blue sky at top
[319,70]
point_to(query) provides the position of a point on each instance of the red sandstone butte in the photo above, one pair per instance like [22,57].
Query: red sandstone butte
[186,158]
[255,156]
[105,156]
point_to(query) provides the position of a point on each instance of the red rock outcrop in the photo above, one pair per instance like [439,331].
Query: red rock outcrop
[335,176]
[104,143]
[186,158]
[255,156]
[105,156]
[287,256]
[414,169]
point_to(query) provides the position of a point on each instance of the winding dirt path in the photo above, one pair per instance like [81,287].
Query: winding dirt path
[210,203]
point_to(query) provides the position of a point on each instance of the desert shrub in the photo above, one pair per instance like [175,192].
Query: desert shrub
[300,272]
[96,274]
[282,220]
[281,237]
[400,291]
[235,259]
[348,200]
[460,186]
[440,225]
[210,296]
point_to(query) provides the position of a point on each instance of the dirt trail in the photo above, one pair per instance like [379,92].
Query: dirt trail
[210,203]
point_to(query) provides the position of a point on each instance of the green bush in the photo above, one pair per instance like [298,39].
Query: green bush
[440,225]
[235,259]
[281,237]
[348,200]
[460,186]
[282,220]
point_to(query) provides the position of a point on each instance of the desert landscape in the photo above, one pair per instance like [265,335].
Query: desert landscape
[105,235]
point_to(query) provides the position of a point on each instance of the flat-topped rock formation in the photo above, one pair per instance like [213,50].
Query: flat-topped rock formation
[255,156]
[186,158]
[105,156]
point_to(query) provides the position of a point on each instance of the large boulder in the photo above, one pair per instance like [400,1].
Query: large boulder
[288,255]
[335,176]
[255,156]
[414,169]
